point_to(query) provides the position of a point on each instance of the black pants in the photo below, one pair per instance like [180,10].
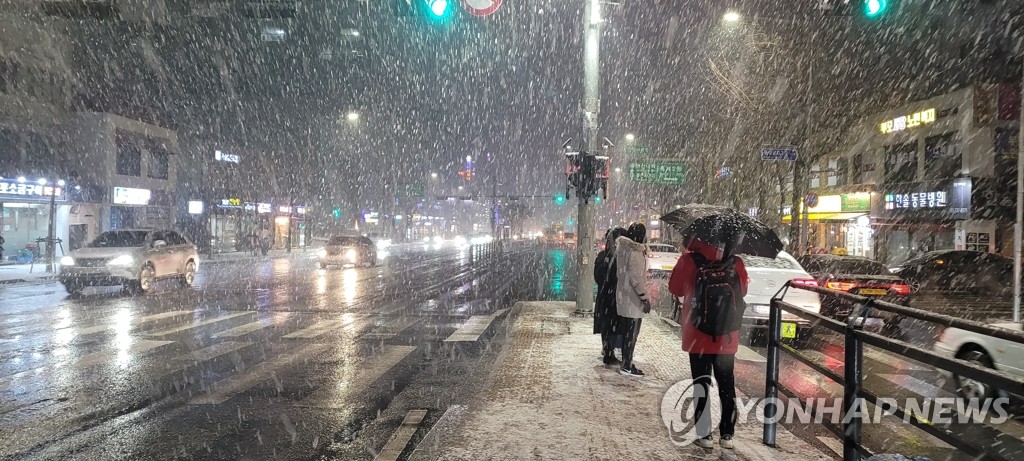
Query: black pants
[701,366]
[608,342]
[630,332]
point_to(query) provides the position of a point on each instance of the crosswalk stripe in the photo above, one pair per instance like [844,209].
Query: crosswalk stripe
[251,327]
[358,377]
[197,324]
[217,350]
[320,328]
[392,328]
[887,358]
[471,330]
[832,443]
[231,386]
[747,354]
[394,448]
[137,347]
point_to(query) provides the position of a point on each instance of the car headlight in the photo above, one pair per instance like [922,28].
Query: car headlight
[438,239]
[123,260]
[351,255]
[760,308]
[322,253]
[67,261]
[383,244]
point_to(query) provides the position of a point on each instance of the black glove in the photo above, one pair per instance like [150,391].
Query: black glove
[647,306]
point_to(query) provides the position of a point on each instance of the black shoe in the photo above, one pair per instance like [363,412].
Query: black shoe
[612,360]
[632,371]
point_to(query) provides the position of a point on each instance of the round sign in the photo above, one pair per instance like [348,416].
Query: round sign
[481,7]
[811,200]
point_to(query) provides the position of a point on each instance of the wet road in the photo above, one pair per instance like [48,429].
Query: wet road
[261,359]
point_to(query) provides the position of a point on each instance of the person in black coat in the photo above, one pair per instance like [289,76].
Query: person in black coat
[605,314]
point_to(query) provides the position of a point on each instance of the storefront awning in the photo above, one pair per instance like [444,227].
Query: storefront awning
[828,216]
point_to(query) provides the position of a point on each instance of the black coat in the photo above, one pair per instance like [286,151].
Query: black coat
[605,316]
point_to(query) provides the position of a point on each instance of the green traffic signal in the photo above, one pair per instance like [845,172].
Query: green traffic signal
[559,199]
[336,213]
[438,8]
[875,8]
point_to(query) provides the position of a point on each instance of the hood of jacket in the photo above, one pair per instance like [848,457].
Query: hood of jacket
[626,243]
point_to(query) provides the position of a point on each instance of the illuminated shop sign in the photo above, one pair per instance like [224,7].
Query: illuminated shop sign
[264,208]
[131,196]
[904,122]
[915,200]
[29,189]
[222,156]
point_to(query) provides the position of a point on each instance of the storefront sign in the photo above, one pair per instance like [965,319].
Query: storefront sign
[249,206]
[29,190]
[131,196]
[284,209]
[195,207]
[300,210]
[904,122]
[264,208]
[231,203]
[852,203]
[222,156]
[930,199]
[371,217]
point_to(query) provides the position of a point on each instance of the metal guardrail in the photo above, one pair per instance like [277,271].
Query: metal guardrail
[853,368]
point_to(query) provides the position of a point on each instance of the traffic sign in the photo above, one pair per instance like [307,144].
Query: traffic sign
[481,7]
[787,153]
[666,173]
[811,200]
[410,190]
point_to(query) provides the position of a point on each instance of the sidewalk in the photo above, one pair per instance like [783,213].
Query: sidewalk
[551,398]
[19,273]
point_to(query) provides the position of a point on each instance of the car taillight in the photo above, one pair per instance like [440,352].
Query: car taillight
[900,289]
[840,286]
[805,283]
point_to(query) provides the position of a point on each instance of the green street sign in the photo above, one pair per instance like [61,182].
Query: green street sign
[665,173]
[410,190]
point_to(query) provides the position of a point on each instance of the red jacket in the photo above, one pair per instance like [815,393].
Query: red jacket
[681,284]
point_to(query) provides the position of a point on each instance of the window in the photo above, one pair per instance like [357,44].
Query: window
[837,172]
[8,73]
[856,169]
[815,175]
[129,158]
[159,164]
[943,156]
[901,162]
[174,238]
[120,239]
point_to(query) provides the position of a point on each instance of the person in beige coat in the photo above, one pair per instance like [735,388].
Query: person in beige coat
[631,300]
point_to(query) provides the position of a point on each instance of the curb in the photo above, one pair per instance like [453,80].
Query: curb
[208,260]
[21,281]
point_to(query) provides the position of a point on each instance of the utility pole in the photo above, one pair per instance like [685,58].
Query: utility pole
[51,229]
[1018,226]
[591,107]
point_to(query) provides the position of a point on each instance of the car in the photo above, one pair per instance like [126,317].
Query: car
[860,276]
[958,271]
[348,251]
[767,277]
[662,257]
[982,350]
[133,258]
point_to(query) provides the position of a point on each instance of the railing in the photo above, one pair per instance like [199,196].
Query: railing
[853,372]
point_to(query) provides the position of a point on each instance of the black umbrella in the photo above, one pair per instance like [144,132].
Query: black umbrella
[733,232]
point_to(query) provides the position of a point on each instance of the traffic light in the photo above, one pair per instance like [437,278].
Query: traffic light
[875,8]
[336,213]
[597,199]
[559,199]
[439,9]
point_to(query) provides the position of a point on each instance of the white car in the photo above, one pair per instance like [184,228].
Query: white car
[134,258]
[984,351]
[767,277]
[662,257]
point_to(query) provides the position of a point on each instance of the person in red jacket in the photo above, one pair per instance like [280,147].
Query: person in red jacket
[708,354]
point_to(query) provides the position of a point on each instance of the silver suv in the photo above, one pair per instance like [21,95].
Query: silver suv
[133,258]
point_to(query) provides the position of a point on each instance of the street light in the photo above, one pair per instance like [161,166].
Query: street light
[630,136]
[433,175]
[731,16]
[352,116]
[618,170]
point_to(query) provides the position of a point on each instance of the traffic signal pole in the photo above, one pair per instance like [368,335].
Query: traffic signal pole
[591,106]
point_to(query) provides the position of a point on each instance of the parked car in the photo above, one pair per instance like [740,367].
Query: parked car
[856,275]
[133,258]
[973,272]
[767,277]
[985,351]
[662,257]
[348,251]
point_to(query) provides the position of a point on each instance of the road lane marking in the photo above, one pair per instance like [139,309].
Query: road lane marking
[321,328]
[227,388]
[251,327]
[196,324]
[394,448]
[357,378]
[392,328]
[138,347]
[887,358]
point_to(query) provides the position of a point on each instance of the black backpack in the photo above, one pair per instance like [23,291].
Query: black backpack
[718,303]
